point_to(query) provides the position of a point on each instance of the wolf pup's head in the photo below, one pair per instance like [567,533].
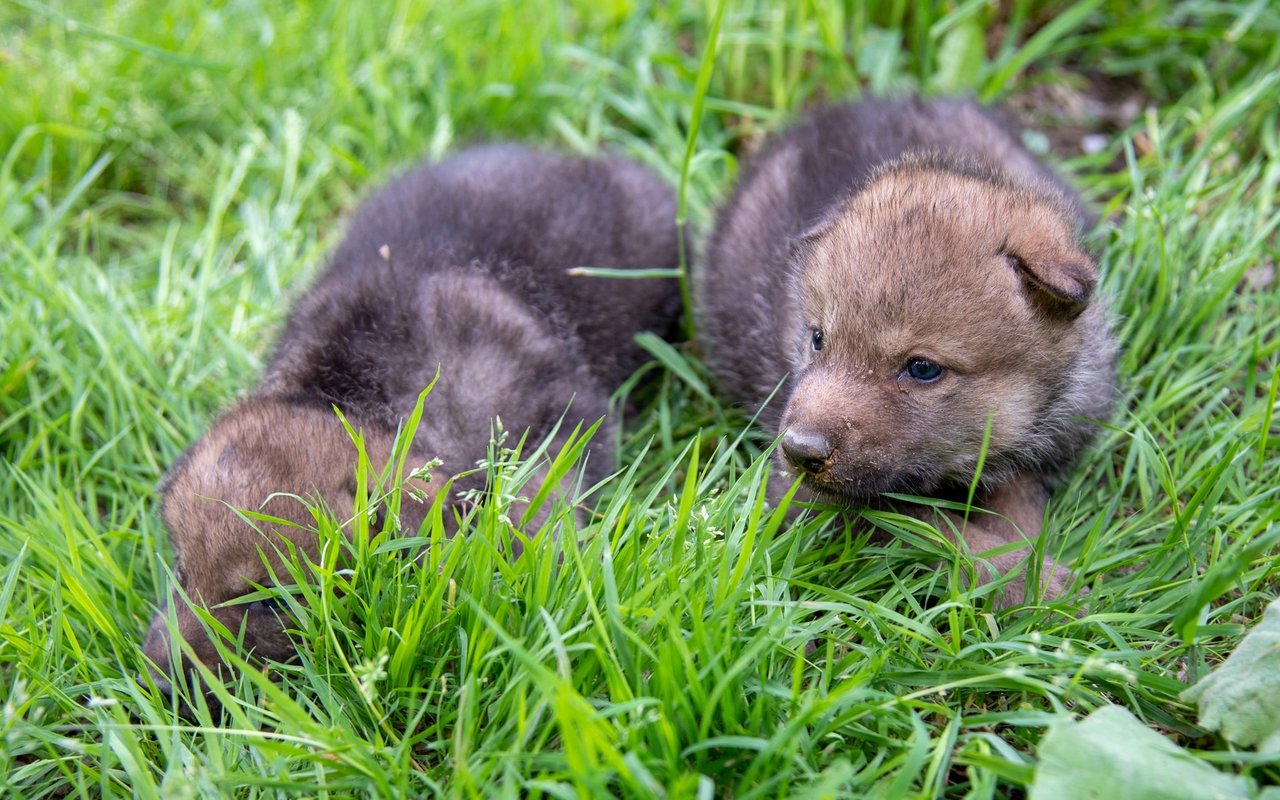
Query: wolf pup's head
[936,301]
[271,459]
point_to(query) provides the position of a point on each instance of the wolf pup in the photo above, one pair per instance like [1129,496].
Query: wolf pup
[912,273]
[460,267]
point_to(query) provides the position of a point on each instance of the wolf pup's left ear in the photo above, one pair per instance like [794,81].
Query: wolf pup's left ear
[802,243]
[1056,271]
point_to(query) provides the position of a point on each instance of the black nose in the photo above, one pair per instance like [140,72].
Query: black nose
[806,451]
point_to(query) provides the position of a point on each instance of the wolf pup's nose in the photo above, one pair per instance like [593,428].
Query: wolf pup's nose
[807,451]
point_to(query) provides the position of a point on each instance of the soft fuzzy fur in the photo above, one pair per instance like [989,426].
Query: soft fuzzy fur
[893,230]
[458,267]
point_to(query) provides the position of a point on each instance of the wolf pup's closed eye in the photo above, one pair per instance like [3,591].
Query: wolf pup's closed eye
[914,275]
[461,267]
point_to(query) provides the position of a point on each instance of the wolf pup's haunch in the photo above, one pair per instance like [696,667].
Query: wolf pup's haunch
[460,267]
[913,272]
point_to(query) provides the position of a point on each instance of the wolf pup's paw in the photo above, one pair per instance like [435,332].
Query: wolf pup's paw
[1054,582]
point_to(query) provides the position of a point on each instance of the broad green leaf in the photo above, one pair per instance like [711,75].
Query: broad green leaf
[1111,754]
[1241,698]
[962,58]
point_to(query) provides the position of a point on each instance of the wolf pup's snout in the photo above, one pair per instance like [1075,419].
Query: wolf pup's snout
[156,649]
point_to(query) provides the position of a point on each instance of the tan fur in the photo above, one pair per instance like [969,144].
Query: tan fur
[979,277]
[918,230]
[922,262]
[267,458]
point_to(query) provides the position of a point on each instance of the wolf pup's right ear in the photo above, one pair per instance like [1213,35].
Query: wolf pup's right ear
[1058,273]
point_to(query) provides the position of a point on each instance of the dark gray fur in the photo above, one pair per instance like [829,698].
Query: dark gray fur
[475,281]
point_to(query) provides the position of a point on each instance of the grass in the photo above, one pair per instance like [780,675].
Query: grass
[171,176]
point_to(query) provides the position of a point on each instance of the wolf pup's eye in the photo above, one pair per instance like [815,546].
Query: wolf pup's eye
[923,370]
[816,341]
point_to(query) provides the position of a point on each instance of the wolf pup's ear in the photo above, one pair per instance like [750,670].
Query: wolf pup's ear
[800,244]
[1055,270]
